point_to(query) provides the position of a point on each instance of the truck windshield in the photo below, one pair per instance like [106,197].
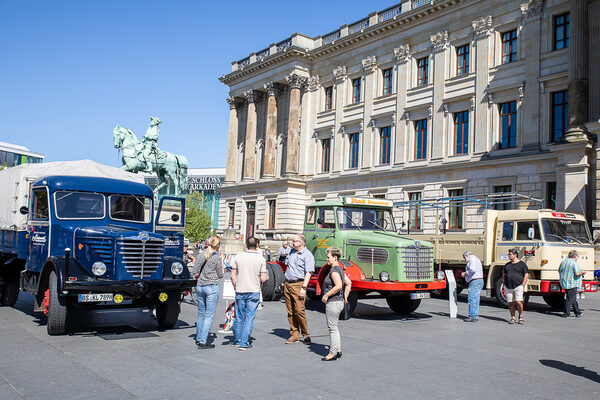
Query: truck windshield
[365,218]
[78,205]
[566,231]
[130,208]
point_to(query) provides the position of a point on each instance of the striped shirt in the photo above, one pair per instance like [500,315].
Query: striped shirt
[567,270]
[212,272]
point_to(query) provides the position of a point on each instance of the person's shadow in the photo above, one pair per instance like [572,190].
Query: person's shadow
[572,369]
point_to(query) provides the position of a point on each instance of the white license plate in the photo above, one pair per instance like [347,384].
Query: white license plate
[424,295]
[83,298]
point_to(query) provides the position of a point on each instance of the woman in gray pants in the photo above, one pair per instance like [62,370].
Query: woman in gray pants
[336,288]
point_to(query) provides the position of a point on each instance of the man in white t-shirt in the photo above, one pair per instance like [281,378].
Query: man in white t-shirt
[249,270]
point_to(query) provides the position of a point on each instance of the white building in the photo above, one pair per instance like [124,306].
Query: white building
[421,100]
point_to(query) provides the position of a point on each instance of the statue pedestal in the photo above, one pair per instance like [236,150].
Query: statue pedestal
[230,243]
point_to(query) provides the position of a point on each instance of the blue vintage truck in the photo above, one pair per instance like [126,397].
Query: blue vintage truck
[90,242]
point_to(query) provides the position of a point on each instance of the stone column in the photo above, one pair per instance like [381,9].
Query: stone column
[483,33]
[232,138]
[578,72]
[293,138]
[367,145]
[529,96]
[403,57]
[337,151]
[271,131]
[436,133]
[249,154]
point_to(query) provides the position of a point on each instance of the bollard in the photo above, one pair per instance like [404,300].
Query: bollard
[451,292]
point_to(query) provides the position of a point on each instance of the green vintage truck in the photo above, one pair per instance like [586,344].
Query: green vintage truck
[376,258]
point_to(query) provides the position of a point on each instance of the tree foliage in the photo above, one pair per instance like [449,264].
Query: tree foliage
[198,225]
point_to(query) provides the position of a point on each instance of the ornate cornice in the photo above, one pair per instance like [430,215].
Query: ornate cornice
[483,27]
[339,72]
[313,83]
[369,64]
[440,41]
[295,81]
[402,53]
[532,10]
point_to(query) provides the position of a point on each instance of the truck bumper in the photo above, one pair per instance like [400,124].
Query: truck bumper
[133,289]
[398,286]
[548,287]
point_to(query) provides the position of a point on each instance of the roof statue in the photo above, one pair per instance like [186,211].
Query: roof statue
[145,155]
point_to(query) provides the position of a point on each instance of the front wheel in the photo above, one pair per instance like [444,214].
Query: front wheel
[350,306]
[167,313]
[10,293]
[402,304]
[57,309]
[500,293]
[555,301]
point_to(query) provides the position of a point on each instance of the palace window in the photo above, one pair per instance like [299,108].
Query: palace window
[561,31]
[509,46]
[462,60]
[385,138]
[325,155]
[414,211]
[231,215]
[550,195]
[502,203]
[354,143]
[387,81]
[422,71]
[508,125]
[272,210]
[328,98]
[356,90]
[461,132]
[560,108]
[455,211]
[421,139]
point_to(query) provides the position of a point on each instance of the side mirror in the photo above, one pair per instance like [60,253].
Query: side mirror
[174,217]
[24,210]
[531,233]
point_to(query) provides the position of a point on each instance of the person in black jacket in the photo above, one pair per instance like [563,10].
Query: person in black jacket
[514,278]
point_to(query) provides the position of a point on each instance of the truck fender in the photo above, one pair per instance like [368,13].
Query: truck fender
[168,261]
[352,271]
[51,264]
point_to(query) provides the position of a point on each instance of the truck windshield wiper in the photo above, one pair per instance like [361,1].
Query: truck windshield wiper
[376,224]
[558,236]
[350,219]
[574,238]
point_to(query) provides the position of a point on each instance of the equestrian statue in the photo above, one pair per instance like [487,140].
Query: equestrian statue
[145,156]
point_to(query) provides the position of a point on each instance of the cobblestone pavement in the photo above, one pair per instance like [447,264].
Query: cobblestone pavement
[120,354]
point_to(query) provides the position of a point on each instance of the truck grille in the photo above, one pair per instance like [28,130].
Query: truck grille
[372,254]
[417,262]
[101,247]
[141,257]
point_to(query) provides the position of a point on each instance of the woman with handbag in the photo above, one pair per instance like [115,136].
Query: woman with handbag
[208,269]
[336,288]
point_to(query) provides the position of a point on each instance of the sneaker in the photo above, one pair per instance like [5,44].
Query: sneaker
[244,348]
[234,344]
[578,315]
[470,319]
[206,346]
[565,315]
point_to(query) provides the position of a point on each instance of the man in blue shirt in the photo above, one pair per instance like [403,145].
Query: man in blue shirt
[300,265]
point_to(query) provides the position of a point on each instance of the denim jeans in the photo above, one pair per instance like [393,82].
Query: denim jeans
[475,287]
[246,305]
[208,297]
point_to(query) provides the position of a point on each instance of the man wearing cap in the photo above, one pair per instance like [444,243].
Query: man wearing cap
[300,265]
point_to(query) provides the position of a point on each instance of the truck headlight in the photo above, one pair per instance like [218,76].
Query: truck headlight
[554,287]
[384,276]
[440,275]
[99,268]
[176,268]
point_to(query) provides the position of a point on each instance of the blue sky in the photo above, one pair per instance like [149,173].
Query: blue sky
[72,70]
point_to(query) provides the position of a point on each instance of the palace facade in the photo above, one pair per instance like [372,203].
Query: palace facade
[425,99]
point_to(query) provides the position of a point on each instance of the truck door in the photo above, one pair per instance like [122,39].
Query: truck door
[505,238]
[324,234]
[38,229]
[170,222]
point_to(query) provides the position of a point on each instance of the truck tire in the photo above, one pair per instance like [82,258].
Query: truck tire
[57,309]
[350,307]
[499,293]
[10,293]
[167,313]
[268,286]
[402,304]
[555,301]
[279,279]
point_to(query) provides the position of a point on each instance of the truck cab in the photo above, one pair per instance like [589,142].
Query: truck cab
[94,242]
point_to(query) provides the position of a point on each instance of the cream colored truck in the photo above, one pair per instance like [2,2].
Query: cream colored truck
[543,238]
